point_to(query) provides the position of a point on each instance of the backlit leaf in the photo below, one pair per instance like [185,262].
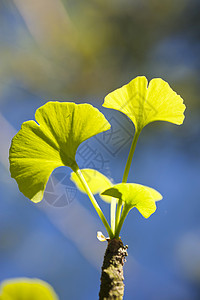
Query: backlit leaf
[135,195]
[40,147]
[96,181]
[144,103]
[26,289]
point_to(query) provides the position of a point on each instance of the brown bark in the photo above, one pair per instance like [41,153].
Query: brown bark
[112,286]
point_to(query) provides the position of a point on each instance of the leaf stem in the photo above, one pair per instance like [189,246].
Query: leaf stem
[121,221]
[94,202]
[112,214]
[125,176]
[119,205]
[130,156]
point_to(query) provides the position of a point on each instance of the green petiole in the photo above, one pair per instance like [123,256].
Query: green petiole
[125,177]
[112,214]
[94,202]
[130,156]
[121,221]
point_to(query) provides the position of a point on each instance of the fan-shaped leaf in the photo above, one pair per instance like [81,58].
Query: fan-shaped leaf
[145,104]
[39,148]
[135,195]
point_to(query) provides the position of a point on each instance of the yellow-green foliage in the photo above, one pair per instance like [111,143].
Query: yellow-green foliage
[26,289]
[144,103]
[135,195]
[39,148]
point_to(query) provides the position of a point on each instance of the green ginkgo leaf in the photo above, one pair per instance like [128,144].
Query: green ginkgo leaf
[135,195]
[96,181]
[40,147]
[144,103]
[26,289]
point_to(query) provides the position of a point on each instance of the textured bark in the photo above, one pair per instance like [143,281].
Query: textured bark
[112,286]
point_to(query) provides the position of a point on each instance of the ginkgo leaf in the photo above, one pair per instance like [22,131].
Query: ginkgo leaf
[26,288]
[144,103]
[96,181]
[135,195]
[40,147]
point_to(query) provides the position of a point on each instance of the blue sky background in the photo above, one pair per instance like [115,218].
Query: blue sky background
[80,51]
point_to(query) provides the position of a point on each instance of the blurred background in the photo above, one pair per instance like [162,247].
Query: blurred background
[80,51]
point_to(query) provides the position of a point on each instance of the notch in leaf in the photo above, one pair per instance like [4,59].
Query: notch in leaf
[50,142]
[144,103]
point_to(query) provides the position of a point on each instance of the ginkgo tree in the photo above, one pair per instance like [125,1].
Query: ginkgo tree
[53,138]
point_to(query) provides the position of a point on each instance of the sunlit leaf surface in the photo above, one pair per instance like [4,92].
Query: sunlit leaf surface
[135,195]
[96,181]
[40,147]
[144,103]
[26,289]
